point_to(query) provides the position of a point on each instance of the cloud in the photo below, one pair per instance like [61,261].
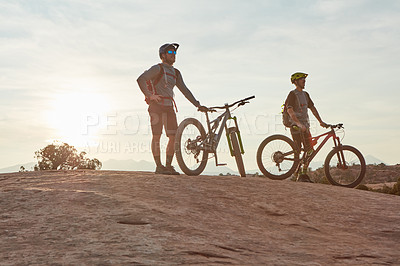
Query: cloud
[229,50]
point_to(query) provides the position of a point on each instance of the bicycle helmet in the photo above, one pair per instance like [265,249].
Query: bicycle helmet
[165,47]
[298,75]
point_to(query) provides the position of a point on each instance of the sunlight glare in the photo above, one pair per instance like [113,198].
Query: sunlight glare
[70,114]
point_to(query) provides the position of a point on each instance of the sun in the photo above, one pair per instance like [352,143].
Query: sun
[70,114]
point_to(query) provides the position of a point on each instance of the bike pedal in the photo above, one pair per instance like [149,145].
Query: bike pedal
[221,164]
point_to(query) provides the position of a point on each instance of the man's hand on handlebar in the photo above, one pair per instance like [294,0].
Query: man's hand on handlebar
[202,108]
[323,124]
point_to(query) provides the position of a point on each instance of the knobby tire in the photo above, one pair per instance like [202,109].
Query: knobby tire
[354,171]
[185,157]
[271,161]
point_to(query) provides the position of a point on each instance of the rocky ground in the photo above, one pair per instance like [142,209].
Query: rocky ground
[139,218]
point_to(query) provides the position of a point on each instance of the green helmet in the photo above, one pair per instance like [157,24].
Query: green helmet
[298,75]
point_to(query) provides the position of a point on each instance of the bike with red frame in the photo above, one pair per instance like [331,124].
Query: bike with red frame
[279,158]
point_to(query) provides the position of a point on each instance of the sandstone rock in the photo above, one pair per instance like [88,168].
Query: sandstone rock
[140,218]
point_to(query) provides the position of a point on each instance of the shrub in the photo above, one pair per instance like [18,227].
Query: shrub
[61,156]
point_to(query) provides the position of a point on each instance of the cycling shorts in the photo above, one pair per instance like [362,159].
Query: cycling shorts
[162,117]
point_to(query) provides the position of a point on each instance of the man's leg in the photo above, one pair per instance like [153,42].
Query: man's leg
[170,129]
[299,140]
[155,113]
[170,155]
[155,149]
[306,138]
[170,150]
[308,149]
[296,136]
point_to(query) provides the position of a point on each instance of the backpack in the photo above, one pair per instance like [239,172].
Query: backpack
[151,85]
[286,120]
[285,116]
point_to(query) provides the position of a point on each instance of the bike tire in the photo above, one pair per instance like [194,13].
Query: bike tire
[271,158]
[345,176]
[188,130]
[237,154]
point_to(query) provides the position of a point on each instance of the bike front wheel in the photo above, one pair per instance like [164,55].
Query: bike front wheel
[277,157]
[237,153]
[189,147]
[345,166]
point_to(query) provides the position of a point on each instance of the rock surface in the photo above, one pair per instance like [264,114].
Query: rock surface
[140,218]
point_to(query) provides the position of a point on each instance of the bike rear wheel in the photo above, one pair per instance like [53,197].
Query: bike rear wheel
[237,153]
[189,148]
[345,166]
[277,157]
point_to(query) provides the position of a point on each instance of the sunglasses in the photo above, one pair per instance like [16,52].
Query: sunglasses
[171,52]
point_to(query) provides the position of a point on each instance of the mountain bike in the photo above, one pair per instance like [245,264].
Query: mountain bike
[278,157]
[193,144]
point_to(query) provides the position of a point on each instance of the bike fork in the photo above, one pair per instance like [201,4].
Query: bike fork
[340,154]
[228,136]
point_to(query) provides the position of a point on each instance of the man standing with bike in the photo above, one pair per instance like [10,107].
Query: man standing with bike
[157,85]
[297,103]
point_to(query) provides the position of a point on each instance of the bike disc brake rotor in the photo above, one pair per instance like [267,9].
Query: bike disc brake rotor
[278,157]
[191,147]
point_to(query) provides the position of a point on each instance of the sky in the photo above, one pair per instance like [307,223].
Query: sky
[68,70]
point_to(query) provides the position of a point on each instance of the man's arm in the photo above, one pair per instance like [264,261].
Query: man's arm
[148,75]
[295,120]
[185,91]
[317,116]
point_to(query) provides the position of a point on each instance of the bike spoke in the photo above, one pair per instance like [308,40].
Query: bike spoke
[346,168]
[191,152]
[278,157]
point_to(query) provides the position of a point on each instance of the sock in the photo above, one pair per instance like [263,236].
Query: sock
[169,160]
[157,159]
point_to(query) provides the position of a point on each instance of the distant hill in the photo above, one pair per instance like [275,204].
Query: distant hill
[142,165]
[132,165]
[16,168]
[369,159]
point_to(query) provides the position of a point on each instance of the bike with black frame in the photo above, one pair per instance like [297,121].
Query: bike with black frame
[279,158]
[193,144]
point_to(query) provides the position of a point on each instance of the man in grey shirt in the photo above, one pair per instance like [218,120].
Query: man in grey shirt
[298,102]
[157,85]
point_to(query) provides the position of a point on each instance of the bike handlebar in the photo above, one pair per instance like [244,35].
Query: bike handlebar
[339,126]
[240,102]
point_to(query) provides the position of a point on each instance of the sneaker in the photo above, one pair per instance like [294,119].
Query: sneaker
[171,170]
[161,169]
[304,178]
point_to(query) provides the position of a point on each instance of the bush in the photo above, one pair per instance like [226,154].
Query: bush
[61,156]
[395,190]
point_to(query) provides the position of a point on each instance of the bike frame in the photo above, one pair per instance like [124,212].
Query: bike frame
[336,142]
[215,131]
[217,126]
[328,135]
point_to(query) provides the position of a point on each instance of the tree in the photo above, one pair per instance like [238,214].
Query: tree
[86,163]
[61,156]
